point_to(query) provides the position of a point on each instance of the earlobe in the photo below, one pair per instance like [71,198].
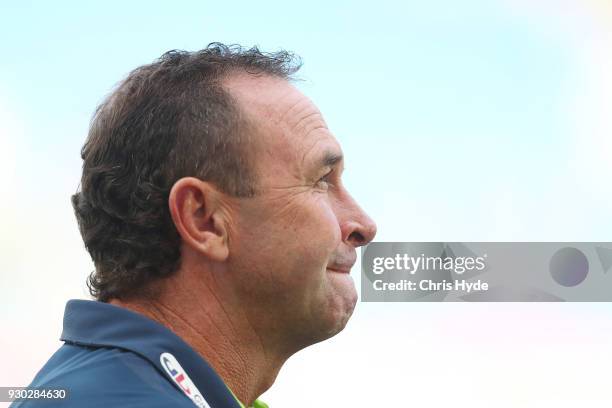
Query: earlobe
[196,212]
[218,249]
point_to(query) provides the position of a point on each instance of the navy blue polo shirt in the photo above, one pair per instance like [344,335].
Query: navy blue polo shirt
[113,357]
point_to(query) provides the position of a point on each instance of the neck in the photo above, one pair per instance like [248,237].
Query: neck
[221,333]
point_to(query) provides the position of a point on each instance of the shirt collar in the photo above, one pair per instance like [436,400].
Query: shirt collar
[93,323]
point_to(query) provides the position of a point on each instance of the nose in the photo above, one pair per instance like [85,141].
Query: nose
[357,228]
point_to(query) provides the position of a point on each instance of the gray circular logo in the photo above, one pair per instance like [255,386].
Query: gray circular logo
[569,266]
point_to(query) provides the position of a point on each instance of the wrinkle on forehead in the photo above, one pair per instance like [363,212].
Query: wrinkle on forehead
[277,100]
[289,123]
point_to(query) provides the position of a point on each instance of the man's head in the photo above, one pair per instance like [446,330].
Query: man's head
[213,163]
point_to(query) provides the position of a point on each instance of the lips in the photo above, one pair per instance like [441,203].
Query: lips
[343,264]
[339,270]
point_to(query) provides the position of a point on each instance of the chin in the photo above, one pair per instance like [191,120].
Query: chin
[331,321]
[332,309]
[340,309]
[338,325]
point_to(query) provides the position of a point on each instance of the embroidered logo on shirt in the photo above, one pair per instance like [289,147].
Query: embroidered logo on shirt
[180,377]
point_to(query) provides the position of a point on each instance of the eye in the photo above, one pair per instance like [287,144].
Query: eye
[325,182]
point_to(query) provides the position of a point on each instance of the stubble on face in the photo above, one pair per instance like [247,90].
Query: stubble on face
[288,234]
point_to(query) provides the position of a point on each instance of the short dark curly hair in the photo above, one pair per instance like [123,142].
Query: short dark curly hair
[167,120]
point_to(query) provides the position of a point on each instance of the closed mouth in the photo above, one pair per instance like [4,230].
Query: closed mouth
[339,270]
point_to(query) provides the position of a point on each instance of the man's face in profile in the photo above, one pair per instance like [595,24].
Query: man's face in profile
[294,243]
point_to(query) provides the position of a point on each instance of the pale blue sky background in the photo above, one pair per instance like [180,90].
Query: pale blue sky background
[461,120]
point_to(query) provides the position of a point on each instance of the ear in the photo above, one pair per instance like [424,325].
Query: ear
[198,217]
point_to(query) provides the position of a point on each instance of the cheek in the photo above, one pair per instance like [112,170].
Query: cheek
[321,225]
[290,241]
[308,220]
[326,215]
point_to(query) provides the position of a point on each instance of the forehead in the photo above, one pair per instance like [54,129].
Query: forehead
[290,128]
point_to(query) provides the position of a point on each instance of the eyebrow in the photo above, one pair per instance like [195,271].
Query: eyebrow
[330,159]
